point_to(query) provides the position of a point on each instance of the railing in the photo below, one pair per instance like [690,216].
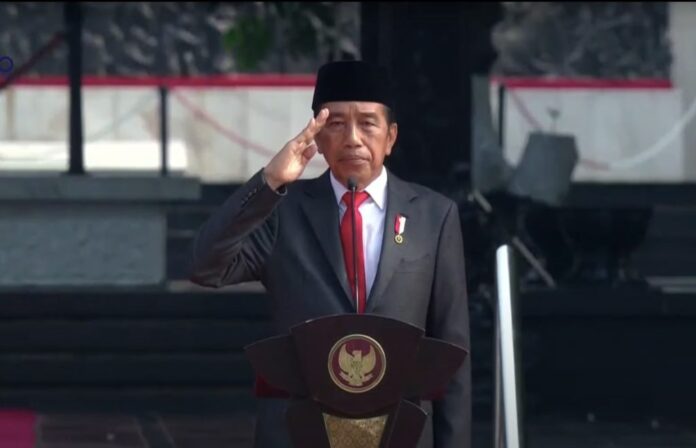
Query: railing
[73,36]
[129,109]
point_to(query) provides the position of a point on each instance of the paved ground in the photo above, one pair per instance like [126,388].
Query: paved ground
[234,431]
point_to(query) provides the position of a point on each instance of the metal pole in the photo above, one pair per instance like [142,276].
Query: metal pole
[73,24]
[164,129]
[501,115]
[507,364]
[498,422]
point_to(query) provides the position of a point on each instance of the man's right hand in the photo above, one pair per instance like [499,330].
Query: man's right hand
[287,166]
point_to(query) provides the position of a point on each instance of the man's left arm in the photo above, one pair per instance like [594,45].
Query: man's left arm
[448,319]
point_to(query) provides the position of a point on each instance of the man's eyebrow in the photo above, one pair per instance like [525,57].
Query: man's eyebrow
[361,114]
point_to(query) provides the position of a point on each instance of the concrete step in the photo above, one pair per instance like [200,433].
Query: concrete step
[195,429]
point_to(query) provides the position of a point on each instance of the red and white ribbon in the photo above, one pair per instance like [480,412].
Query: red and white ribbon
[399,224]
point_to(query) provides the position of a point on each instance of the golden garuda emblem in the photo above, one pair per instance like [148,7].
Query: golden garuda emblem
[357,363]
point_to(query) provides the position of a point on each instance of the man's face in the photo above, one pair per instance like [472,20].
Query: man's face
[355,140]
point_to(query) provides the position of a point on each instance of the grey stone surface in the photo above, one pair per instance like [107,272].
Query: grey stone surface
[103,188]
[576,39]
[164,38]
[87,231]
[81,245]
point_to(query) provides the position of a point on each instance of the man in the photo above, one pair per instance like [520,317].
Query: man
[294,236]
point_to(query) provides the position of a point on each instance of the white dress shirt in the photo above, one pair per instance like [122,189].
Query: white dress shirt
[373,212]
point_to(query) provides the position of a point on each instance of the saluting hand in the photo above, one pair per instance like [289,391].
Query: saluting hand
[287,166]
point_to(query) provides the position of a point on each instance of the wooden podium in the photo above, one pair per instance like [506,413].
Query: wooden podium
[355,380]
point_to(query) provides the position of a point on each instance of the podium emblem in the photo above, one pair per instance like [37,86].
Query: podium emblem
[357,363]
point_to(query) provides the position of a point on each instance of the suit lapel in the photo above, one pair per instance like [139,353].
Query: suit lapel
[322,212]
[399,197]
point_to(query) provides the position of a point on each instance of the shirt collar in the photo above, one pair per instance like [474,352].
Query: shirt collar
[377,188]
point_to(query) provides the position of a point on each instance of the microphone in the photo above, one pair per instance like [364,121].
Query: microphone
[352,186]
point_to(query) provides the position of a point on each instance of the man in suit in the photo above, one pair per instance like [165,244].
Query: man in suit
[294,237]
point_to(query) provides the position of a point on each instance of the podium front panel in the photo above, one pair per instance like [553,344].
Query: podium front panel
[356,366]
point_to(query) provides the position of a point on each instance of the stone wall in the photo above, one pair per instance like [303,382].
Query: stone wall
[580,39]
[163,38]
[86,231]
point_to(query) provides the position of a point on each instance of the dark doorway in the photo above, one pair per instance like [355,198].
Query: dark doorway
[431,49]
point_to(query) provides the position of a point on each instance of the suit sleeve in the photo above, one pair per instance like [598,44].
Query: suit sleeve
[448,319]
[233,245]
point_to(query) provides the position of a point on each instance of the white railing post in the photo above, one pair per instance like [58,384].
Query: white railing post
[507,403]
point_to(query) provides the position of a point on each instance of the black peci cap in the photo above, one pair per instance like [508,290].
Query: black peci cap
[352,81]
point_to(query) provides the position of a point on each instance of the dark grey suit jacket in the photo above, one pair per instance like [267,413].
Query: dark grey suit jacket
[291,244]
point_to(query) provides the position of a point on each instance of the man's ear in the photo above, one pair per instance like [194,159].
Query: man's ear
[392,133]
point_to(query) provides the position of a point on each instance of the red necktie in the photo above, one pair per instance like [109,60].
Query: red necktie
[347,243]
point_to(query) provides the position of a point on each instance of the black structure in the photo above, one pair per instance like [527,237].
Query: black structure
[431,49]
[73,25]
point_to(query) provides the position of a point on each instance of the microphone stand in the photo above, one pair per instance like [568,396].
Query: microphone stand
[352,184]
